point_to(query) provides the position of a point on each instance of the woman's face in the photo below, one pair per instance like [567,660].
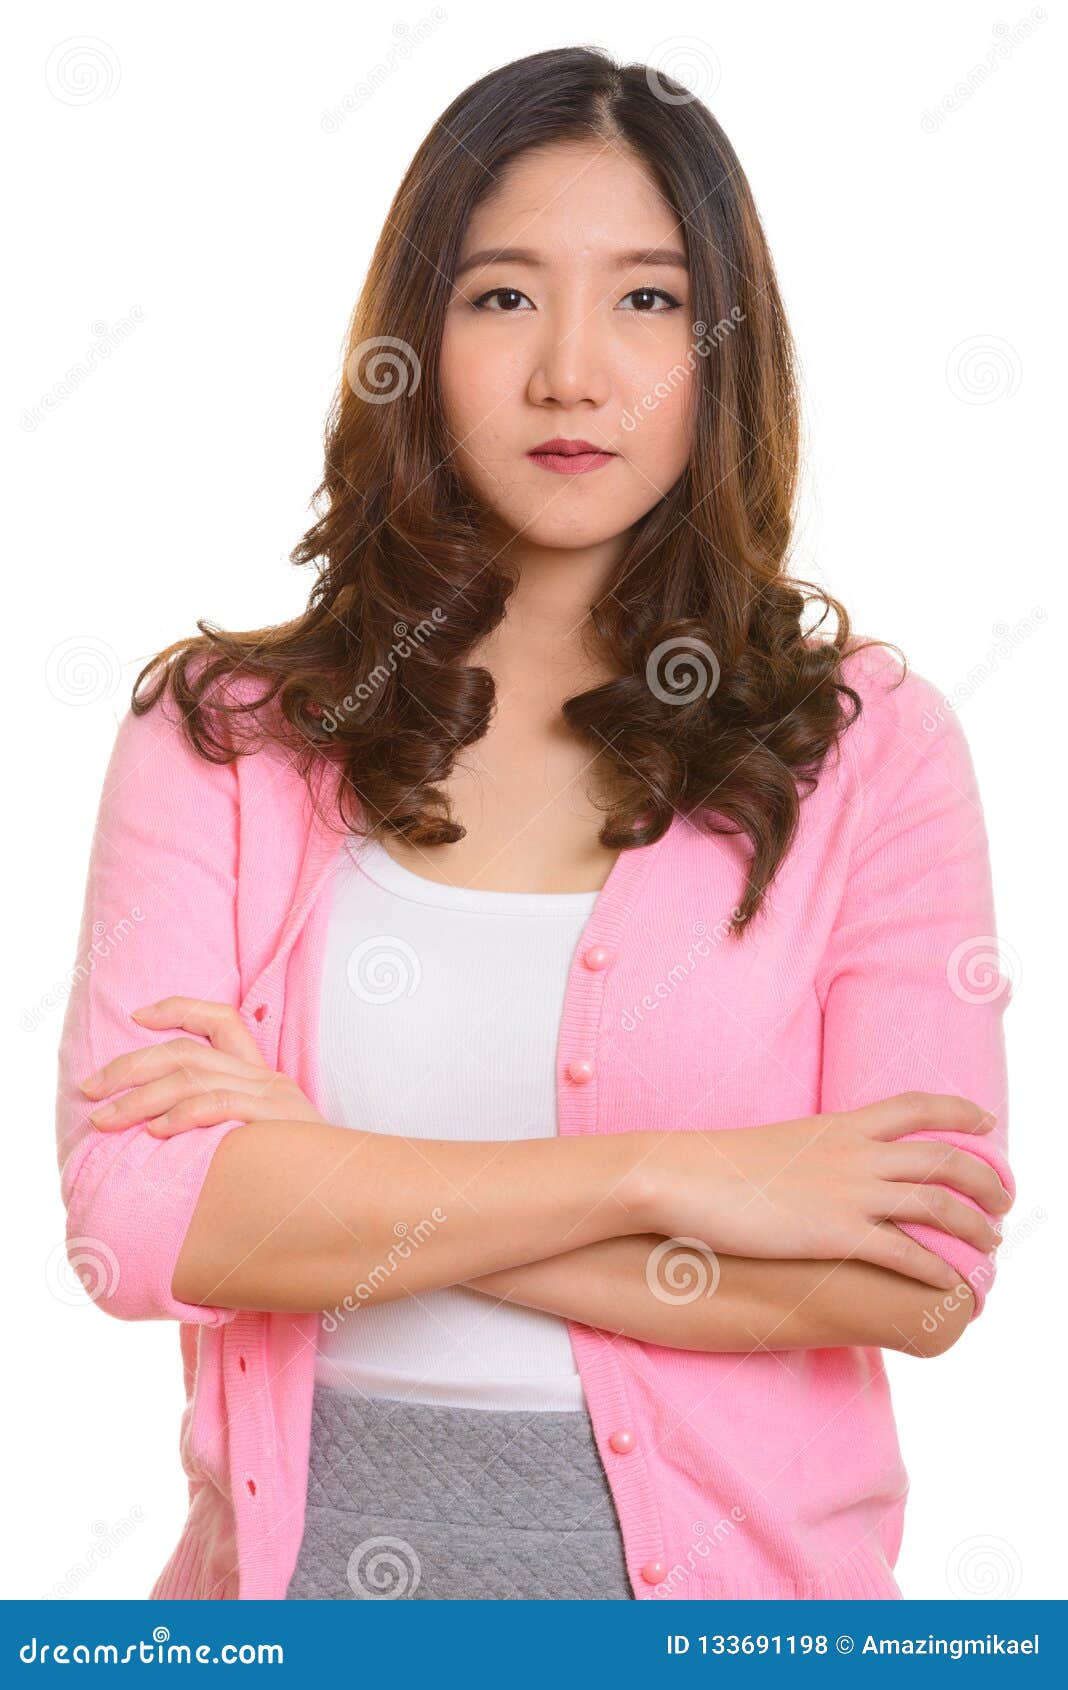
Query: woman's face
[569,335]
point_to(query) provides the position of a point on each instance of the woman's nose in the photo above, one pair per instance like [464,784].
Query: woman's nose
[571,366]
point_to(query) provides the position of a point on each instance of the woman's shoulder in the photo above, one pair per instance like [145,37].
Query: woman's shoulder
[895,698]
[888,686]
[196,689]
[161,740]
[907,737]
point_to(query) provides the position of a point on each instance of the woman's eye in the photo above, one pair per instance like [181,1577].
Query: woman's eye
[672,304]
[508,300]
[510,294]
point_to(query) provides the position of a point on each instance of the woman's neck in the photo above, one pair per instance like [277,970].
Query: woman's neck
[544,646]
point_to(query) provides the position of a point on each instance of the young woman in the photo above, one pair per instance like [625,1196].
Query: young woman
[565,1058]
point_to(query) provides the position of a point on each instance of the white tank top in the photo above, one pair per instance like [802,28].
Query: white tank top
[439,1017]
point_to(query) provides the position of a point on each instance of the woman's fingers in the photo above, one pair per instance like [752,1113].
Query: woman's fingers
[177,1084]
[147,1102]
[150,1062]
[934,1206]
[220,1103]
[945,1164]
[913,1111]
[887,1246]
[220,1023]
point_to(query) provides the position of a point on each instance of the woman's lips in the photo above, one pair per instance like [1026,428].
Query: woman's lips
[571,463]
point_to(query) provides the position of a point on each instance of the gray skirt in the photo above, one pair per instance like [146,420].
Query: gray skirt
[424,1503]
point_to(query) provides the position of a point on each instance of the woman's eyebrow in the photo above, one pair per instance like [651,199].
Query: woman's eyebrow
[668,256]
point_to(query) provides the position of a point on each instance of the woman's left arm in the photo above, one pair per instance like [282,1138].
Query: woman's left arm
[912,994]
[911,984]
[668,1292]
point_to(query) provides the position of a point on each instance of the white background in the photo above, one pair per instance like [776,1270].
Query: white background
[188,243]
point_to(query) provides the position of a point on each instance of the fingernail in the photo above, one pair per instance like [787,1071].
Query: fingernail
[103,1114]
[92,1082]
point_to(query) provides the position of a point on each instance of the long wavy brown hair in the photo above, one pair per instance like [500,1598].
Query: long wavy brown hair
[373,676]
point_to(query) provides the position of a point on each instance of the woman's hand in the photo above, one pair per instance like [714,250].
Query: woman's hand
[828,1186]
[185,1083]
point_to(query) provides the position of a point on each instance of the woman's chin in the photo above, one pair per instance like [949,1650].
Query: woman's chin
[562,531]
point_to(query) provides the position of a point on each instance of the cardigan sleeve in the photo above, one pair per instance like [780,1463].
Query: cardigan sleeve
[912,987]
[159,918]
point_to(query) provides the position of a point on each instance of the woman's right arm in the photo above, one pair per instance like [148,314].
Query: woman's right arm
[299,1215]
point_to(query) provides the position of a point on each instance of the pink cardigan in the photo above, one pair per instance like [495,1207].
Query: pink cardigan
[874,971]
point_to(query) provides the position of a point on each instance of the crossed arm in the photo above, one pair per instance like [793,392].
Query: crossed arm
[751,1304]
[204,1221]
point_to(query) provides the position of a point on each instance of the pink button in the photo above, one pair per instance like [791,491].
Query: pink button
[580,1070]
[653,1572]
[622,1442]
[596,957]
